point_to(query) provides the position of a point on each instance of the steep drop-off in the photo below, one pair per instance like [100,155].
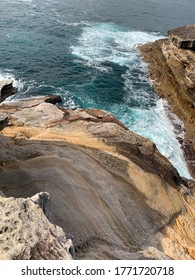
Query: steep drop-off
[114,195]
[171,64]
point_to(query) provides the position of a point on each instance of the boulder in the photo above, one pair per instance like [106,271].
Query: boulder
[53,99]
[6,89]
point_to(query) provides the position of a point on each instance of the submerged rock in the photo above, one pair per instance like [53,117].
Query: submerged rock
[113,194]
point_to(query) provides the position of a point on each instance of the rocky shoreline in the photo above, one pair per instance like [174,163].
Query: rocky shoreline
[79,185]
[171,68]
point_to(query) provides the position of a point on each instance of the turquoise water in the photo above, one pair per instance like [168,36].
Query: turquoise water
[85,51]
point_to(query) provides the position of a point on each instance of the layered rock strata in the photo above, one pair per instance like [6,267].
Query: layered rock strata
[113,194]
[172,71]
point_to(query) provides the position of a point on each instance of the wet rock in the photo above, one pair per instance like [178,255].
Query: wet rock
[6,89]
[53,99]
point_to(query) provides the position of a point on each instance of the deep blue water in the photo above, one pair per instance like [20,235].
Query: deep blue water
[85,51]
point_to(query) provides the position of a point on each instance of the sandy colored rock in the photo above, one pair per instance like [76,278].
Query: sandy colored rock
[183,37]
[26,233]
[172,71]
[41,115]
[114,195]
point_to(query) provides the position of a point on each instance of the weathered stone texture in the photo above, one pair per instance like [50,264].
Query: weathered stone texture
[26,233]
[183,37]
[172,71]
[111,191]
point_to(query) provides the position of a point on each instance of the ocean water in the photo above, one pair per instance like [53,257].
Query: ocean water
[85,50]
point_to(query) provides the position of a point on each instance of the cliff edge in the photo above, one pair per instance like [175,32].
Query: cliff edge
[171,64]
[112,193]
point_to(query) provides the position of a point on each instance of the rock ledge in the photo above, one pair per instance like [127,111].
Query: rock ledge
[183,37]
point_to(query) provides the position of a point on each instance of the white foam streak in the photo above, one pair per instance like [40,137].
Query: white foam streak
[94,64]
[74,24]
[165,136]
[53,1]
[26,1]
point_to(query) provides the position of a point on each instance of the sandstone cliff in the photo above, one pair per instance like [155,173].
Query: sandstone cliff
[171,64]
[113,194]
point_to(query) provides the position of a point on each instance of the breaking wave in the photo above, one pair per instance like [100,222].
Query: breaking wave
[110,48]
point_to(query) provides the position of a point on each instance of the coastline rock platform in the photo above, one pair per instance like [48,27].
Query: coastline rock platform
[112,193]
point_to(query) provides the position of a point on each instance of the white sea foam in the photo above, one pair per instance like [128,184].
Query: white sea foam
[94,64]
[74,24]
[52,1]
[67,100]
[8,75]
[22,87]
[156,125]
[107,43]
[27,1]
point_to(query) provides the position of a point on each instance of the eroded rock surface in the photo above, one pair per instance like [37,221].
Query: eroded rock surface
[111,191]
[183,37]
[172,71]
[26,233]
